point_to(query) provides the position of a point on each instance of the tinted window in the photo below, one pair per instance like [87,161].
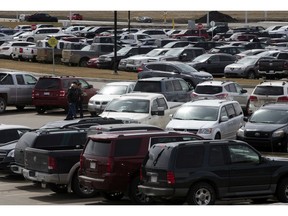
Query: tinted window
[190,157]
[208,89]
[241,154]
[48,84]
[148,86]
[6,79]
[20,80]
[158,156]
[230,111]
[8,135]
[156,140]
[98,148]
[127,147]
[269,90]
[216,157]
[169,86]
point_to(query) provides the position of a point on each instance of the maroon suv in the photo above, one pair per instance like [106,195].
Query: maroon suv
[50,92]
[110,162]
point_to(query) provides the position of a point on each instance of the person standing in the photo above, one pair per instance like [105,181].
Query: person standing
[79,105]
[72,97]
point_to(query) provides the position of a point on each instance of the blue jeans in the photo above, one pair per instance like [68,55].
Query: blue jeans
[71,111]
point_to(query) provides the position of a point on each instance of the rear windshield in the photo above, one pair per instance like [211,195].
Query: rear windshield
[269,90]
[48,84]
[158,156]
[98,148]
[148,86]
[208,89]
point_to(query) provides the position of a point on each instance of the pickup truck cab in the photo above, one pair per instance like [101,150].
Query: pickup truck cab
[16,89]
[140,107]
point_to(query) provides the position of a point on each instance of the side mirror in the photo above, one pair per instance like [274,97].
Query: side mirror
[159,112]
[243,91]
[90,86]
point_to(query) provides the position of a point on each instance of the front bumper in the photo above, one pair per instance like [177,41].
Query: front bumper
[45,177]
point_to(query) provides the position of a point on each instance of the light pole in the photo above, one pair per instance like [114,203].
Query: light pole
[115,43]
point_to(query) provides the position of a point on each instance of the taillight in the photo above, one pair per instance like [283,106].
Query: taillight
[62,93]
[222,96]
[33,94]
[20,50]
[52,165]
[194,95]
[109,166]
[139,69]
[283,99]
[253,98]
[170,177]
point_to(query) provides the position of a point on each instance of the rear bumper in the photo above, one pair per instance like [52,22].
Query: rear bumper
[163,192]
[45,177]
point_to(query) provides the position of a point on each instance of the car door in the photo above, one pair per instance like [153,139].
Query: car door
[25,84]
[247,172]
[232,125]
[238,93]
[214,66]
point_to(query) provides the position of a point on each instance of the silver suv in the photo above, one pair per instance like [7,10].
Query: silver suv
[228,90]
[266,92]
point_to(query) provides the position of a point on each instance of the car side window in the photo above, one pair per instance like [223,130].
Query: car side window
[171,68]
[169,86]
[214,59]
[216,156]
[162,103]
[184,85]
[190,157]
[231,88]
[177,85]
[127,147]
[230,110]
[223,112]
[6,80]
[20,80]
[241,154]
[238,109]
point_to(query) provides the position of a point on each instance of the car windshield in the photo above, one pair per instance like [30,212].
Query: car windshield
[113,90]
[270,116]
[269,90]
[155,52]
[201,58]
[128,105]
[123,50]
[197,113]
[174,52]
[248,60]
[185,67]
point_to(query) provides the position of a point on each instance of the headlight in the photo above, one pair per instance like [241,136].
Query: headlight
[205,131]
[240,132]
[108,59]
[278,133]
[11,154]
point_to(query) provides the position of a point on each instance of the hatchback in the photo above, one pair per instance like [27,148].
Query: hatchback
[210,119]
[268,91]
[228,90]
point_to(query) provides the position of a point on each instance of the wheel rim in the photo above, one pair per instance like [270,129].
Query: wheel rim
[202,196]
[86,190]
[286,191]
[251,75]
[2,106]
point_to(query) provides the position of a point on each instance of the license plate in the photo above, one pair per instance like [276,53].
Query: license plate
[153,178]
[46,93]
[92,165]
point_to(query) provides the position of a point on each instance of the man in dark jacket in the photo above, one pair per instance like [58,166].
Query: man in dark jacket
[72,97]
[79,106]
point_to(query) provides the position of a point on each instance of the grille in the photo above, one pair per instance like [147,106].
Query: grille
[258,134]
[187,130]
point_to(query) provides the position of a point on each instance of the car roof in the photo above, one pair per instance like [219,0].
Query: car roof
[214,83]
[141,95]
[273,83]
[275,106]
[159,78]
[208,102]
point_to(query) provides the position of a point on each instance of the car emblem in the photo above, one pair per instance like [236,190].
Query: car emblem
[257,134]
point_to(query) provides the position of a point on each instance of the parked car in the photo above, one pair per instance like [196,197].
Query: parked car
[39,34]
[210,119]
[177,43]
[228,90]
[250,52]
[108,92]
[233,50]
[144,19]
[76,16]
[173,69]
[213,63]
[247,67]
[6,49]
[267,128]
[9,132]
[154,33]
[174,89]
[191,32]
[51,91]
[208,45]
[268,91]
[118,157]
[41,17]
[201,172]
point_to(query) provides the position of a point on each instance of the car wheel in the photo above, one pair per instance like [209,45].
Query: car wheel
[57,60]
[60,189]
[83,62]
[217,136]
[282,191]
[113,196]
[251,75]
[2,105]
[81,190]
[201,194]
[30,40]
[40,109]
[20,108]
[135,195]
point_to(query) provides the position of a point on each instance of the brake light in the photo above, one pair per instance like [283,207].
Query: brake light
[52,165]
[222,96]
[62,93]
[33,94]
[109,166]
[253,98]
[170,177]
[283,99]
[20,50]
[139,69]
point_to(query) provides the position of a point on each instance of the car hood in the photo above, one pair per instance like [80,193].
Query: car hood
[99,97]
[189,124]
[203,74]
[236,65]
[262,127]
[8,146]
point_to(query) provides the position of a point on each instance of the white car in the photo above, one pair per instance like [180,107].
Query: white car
[266,92]
[39,34]
[107,93]
[210,119]
[73,29]
[6,49]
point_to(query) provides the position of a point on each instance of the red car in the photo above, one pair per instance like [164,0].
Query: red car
[76,16]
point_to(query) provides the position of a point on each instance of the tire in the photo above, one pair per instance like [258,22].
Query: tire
[60,189]
[251,75]
[80,190]
[217,136]
[40,109]
[135,195]
[282,191]
[83,62]
[201,194]
[3,105]
[30,40]
[116,196]
[57,60]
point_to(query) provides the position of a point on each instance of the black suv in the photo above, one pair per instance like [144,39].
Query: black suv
[201,172]
[174,89]
[267,128]
[173,69]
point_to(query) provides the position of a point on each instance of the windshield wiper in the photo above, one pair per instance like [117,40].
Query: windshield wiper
[158,156]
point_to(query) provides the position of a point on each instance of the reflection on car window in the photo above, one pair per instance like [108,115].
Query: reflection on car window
[241,154]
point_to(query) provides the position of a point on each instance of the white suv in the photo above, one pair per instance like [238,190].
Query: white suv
[228,90]
[210,119]
[266,92]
